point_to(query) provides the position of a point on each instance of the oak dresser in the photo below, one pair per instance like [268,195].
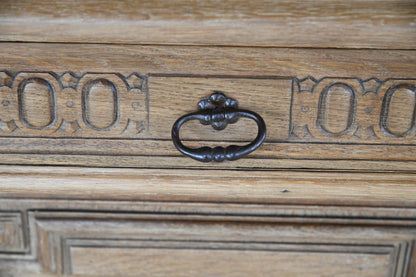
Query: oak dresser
[318,99]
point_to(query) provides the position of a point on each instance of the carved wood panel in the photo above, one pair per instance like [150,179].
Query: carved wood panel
[149,239]
[352,109]
[77,89]
[99,115]
[45,104]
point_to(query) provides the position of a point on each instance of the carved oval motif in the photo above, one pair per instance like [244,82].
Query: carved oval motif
[336,109]
[398,112]
[36,99]
[100,104]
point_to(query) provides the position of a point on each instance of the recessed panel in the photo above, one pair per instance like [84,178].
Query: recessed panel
[100,104]
[36,103]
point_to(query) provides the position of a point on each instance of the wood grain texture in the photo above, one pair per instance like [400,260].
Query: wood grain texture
[83,236]
[92,89]
[385,189]
[222,263]
[211,61]
[340,24]
[327,120]
[11,232]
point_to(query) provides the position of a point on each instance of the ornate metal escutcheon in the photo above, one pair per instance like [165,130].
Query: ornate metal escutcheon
[219,111]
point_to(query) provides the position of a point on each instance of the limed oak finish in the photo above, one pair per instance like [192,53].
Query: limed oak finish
[329,120]
[92,185]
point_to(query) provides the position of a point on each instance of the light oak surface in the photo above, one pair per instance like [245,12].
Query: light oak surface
[129,222]
[320,114]
[92,185]
[388,189]
[339,24]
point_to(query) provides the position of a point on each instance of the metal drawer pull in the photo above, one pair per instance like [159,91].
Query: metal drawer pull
[219,111]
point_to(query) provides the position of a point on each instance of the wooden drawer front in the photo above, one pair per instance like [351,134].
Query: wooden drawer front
[327,114]
[163,245]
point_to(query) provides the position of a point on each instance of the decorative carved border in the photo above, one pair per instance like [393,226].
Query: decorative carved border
[71,135]
[367,109]
[67,107]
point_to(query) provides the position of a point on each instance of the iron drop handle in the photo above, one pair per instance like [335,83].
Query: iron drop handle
[219,111]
